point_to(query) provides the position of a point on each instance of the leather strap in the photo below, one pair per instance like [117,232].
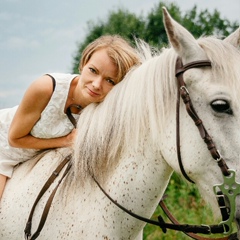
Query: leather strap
[183,92]
[186,228]
[70,116]
[180,163]
[51,179]
[192,235]
[27,231]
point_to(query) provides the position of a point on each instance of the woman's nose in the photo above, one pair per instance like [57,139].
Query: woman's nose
[97,82]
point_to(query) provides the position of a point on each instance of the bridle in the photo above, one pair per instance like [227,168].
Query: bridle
[183,92]
[229,189]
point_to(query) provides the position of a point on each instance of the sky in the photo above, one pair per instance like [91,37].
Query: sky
[38,37]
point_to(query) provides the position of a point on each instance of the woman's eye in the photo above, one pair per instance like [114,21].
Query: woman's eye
[221,106]
[92,70]
[111,81]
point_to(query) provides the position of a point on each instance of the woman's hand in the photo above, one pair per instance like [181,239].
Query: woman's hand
[70,138]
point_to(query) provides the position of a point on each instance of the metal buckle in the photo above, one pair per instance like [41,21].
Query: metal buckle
[224,227]
[208,227]
[220,157]
[184,88]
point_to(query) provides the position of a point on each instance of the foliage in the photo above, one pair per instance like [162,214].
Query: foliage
[121,22]
[154,32]
[151,29]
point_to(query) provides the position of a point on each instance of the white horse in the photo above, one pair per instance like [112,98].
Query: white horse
[128,144]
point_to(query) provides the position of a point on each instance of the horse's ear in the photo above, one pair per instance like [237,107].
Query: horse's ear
[234,38]
[182,40]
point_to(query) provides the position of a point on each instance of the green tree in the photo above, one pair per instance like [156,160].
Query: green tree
[151,29]
[154,33]
[121,22]
[205,23]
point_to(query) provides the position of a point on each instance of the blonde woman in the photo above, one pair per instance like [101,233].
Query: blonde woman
[44,117]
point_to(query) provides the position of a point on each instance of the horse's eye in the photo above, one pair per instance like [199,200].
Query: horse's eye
[221,106]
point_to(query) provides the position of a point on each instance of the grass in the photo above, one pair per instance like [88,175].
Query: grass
[187,206]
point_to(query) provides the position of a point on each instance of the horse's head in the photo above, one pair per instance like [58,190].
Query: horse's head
[214,91]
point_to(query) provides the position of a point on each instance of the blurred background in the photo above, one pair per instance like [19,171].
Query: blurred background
[38,37]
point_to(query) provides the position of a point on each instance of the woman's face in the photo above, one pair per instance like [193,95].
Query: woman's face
[97,78]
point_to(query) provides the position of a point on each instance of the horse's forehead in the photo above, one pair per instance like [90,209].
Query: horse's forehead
[226,77]
[205,85]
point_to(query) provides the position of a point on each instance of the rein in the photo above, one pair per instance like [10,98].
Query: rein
[189,230]
[55,174]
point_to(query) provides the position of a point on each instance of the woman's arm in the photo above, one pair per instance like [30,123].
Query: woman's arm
[28,113]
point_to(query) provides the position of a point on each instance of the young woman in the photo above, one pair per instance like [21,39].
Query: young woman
[43,119]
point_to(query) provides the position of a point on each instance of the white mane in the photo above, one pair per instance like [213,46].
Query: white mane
[137,107]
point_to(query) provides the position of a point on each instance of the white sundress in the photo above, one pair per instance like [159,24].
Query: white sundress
[52,124]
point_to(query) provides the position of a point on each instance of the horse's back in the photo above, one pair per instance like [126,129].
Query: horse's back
[21,191]
[73,214]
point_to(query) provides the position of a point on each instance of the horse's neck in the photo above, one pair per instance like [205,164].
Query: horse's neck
[139,182]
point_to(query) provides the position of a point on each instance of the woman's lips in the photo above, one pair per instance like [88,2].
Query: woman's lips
[92,93]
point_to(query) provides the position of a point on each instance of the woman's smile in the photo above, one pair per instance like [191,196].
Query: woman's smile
[92,92]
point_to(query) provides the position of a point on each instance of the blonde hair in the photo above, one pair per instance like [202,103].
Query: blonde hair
[118,49]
